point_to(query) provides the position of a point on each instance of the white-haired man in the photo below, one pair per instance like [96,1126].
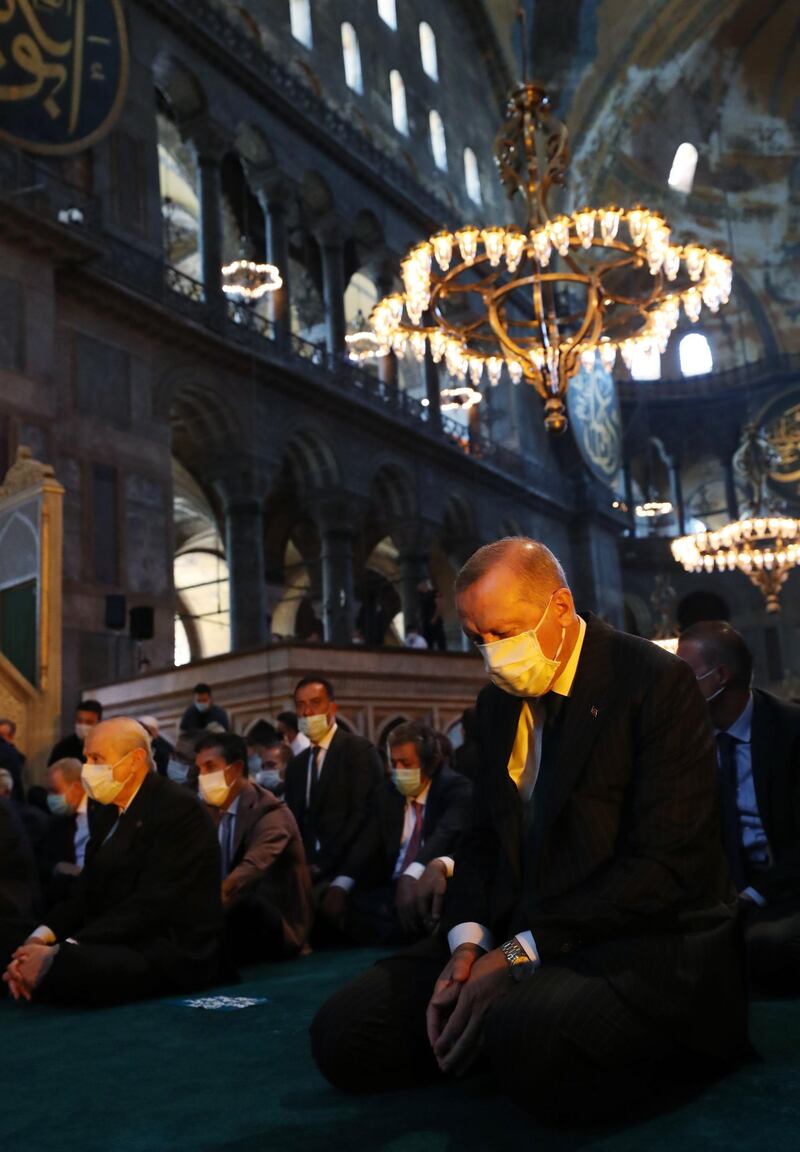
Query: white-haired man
[590,919]
[145,915]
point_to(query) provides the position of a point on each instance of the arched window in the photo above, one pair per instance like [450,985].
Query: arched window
[300,20]
[427,48]
[438,142]
[352,58]
[472,177]
[387,10]
[399,110]
[646,363]
[681,174]
[695,354]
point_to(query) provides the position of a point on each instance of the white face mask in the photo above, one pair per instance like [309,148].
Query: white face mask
[407,781]
[178,771]
[517,664]
[99,781]
[315,727]
[269,778]
[719,690]
[82,730]
[213,788]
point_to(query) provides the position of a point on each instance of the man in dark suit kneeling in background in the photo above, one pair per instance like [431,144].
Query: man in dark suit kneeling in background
[266,890]
[758,753]
[590,923]
[144,917]
[329,789]
[414,824]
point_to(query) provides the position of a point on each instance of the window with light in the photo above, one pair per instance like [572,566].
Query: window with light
[300,20]
[695,355]
[646,363]
[681,174]
[399,109]
[438,142]
[472,177]
[387,10]
[427,48]
[352,59]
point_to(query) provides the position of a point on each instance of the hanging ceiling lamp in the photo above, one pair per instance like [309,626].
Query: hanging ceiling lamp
[245,281]
[362,343]
[765,544]
[556,293]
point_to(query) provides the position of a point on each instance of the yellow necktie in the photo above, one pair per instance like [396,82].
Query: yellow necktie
[525,734]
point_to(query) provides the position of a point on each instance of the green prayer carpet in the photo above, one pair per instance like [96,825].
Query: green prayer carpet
[165,1077]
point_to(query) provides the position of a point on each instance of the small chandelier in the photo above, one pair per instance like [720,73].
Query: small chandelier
[764,545]
[554,295]
[362,343]
[245,281]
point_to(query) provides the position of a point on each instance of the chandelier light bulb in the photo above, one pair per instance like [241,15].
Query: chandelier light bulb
[609,224]
[694,257]
[467,239]
[584,226]
[637,225]
[493,242]
[494,370]
[515,248]
[692,304]
[559,234]
[671,265]
[437,340]
[417,342]
[542,246]
[442,244]
[515,371]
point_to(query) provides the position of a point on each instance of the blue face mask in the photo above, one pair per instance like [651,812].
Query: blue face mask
[178,771]
[59,805]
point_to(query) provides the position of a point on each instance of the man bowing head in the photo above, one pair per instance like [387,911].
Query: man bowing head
[590,922]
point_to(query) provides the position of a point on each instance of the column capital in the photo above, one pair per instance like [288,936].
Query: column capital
[209,139]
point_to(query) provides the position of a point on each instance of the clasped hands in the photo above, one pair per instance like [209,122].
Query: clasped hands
[471,982]
[28,966]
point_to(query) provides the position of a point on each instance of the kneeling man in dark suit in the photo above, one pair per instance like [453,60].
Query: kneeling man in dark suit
[590,923]
[144,917]
[266,888]
[414,824]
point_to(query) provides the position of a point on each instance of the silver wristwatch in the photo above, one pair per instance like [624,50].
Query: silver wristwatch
[518,959]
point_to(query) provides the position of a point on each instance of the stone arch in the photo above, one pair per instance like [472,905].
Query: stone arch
[180,87]
[310,462]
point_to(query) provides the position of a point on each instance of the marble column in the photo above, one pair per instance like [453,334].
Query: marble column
[415,568]
[677,494]
[210,197]
[244,535]
[731,498]
[334,286]
[338,611]
[278,254]
[432,391]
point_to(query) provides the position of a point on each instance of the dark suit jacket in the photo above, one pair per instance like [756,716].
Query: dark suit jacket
[269,863]
[629,878]
[350,773]
[68,747]
[18,882]
[153,885]
[373,857]
[13,761]
[775,749]
[194,722]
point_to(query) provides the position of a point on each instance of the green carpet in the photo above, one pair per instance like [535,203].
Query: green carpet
[162,1076]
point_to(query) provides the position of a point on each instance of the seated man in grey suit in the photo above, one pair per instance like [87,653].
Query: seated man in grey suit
[758,755]
[266,889]
[415,821]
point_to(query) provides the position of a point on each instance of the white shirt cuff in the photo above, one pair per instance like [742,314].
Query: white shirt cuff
[756,897]
[527,942]
[43,933]
[414,870]
[469,933]
[346,883]
[449,864]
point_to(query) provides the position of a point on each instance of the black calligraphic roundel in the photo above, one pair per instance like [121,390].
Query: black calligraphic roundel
[63,72]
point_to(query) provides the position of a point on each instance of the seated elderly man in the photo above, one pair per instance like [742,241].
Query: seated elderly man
[144,918]
[590,954]
[266,889]
[393,883]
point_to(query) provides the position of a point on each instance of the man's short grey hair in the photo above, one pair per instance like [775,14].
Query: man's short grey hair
[69,767]
[532,561]
[6,781]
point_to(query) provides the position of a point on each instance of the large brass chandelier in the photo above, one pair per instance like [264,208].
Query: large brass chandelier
[764,544]
[554,294]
